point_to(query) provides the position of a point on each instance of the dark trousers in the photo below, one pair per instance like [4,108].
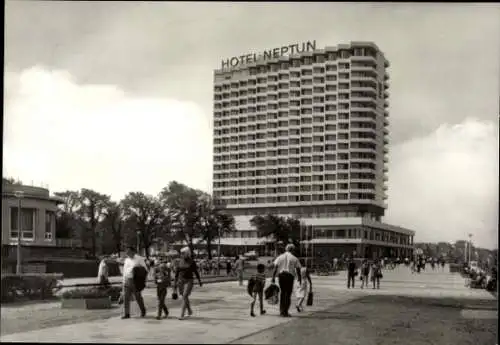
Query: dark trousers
[285,280]
[260,294]
[161,294]
[350,279]
[129,290]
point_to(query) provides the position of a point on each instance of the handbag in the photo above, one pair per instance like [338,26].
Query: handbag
[175,295]
[310,298]
[380,275]
[271,294]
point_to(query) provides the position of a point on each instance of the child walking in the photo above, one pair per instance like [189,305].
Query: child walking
[162,275]
[304,288]
[256,288]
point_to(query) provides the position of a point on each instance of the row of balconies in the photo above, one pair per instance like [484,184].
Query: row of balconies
[340,198]
[288,180]
[284,159]
[276,132]
[304,97]
[289,176]
[243,151]
[342,124]
[256,132]
[306,104]
[222,175]
[277,189]
[262,192]
[297,167]
[325,84]
[295,108]
[297,73]
[328,78]
[261,119]
[276,95]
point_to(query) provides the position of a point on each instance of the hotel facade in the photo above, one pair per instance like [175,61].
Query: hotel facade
[305,134]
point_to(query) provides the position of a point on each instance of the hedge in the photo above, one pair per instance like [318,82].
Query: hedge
[113,292]
[29,286]
[80,269]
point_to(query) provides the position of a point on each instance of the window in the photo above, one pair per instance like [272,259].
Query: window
[27,223]
[48,225]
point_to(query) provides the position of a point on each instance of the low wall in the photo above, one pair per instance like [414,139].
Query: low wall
[70,268]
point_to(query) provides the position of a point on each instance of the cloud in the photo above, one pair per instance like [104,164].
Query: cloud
[445,185]
[96,136]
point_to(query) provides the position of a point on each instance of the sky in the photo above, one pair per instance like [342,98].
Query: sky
[117,96]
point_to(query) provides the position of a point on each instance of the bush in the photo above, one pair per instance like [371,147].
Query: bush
[80,268]
[456,268]
[17,287]
[112,292]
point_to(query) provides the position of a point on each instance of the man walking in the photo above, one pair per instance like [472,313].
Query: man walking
[133,266]
[286,266]
[351,272]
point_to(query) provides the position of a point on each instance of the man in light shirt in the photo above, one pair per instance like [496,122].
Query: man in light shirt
[129,285]
[286,266]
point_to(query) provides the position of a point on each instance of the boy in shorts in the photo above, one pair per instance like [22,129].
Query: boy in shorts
[256,288]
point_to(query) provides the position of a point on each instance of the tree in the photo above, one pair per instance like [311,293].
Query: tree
[214,222]
[113,223]
[147,214]
[183,206]
[91,211]
[280,229]
[68,222]
[11,181]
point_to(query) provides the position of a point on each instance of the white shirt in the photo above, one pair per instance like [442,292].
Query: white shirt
[103,269]
[130,263]
[287,262]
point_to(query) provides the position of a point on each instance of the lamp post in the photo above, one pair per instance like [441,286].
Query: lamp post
[218,252]
[470,246]
[138,233]
[19,195]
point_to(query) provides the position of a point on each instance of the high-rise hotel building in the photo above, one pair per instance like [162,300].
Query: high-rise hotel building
[306,134]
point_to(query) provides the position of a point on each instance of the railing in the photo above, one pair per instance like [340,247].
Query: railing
[68,243]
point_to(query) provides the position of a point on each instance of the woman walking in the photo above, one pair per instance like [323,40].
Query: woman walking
[304,287]
[103,273]
[184,276]
[365,272]
[239,266]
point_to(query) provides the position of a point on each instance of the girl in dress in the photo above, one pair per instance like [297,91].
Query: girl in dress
[304,288]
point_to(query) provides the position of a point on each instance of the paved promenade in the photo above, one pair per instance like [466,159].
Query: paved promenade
[221,311]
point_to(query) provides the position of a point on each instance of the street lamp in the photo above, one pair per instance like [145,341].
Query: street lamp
[19,195]
[218,251]
[138,233]
[470,246]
